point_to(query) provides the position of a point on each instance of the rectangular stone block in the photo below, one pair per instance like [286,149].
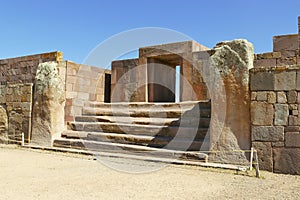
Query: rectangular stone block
[281,97]
[267,133]
[265,155]
[285,42]
[293,121]
[270,62]
[286,61]
[292,139]
[292,96]
[281,114]
[261,113]
[287,160]
[262,96]
[262,81]
[292,129]
[277,144]
[285,80]
[271,97]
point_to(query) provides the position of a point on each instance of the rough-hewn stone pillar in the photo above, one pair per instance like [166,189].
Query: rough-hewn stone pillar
[48,105]
[232,60]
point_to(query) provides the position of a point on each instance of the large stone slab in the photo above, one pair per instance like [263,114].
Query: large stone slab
[267,133]
[232,61]
[287,160]
[281,114]
[265,155]
[261,113]
[48,105]
[285,80]
[262,81]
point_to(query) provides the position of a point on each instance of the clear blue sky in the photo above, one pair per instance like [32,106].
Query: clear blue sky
[76,27]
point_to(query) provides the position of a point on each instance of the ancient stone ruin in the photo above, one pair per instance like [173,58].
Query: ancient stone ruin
[226,100]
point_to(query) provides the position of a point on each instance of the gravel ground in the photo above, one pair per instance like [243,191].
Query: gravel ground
[35,174]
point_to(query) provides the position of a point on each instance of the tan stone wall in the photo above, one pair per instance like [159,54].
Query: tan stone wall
[83,83]
[23,69]
[275,117]
[17,100]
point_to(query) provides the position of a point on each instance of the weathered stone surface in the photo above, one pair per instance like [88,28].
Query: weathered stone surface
[3,125]
[265,155]
[262,96]
[253,96]
[277,144]
[292,96]
[262,81]
[261,113]
[232,59]
[298,79]
[267,62]
[267,133]
[281,114]
[285,80]
[298,97]
[48,105]
[281,97]
[287,160]
[294,120]
[285,42]
[292,129]
[292,139]
[271,97]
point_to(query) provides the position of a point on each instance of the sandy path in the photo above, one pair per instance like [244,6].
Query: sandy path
[28,174]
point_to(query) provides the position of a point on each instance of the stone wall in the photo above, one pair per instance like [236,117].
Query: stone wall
[16,99]
[23,69]
[83,83]
[275,117]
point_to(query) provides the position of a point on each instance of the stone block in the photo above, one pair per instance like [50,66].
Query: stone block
[270,62]
[265,155]
[285,42]
[286,61]
[277,144]
[295,112]
[292,139]
[287,160]
[298,97]
[281,114]
[271,97]
[293,121]
[267,133]
[292,129]
[262,81]
[285,80]
[293,107]
[292,96]
[262,96]
[262,113]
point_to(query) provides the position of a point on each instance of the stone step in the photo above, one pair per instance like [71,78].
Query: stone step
[138,129]
[187,105]
[152,113]
[203,122]
[129,149]
[159,142]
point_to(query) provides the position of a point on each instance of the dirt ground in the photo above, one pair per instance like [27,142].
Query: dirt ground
[35,174]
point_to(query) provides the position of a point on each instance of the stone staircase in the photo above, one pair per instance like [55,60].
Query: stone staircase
[164,130]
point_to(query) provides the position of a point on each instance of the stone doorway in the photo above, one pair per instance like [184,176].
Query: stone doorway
[162,81]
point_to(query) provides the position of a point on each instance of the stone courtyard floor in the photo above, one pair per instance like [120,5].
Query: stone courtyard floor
[35,174]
